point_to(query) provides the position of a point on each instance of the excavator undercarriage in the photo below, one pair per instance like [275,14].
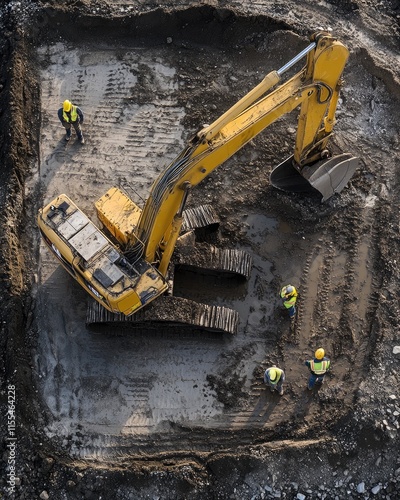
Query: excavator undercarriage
[198,257]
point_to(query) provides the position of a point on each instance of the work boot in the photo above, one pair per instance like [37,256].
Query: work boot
[81,139]
[281,392]
[68,135]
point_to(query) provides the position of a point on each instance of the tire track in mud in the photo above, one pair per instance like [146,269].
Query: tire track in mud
[172,442]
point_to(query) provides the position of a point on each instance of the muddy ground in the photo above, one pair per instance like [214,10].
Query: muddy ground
[171,416]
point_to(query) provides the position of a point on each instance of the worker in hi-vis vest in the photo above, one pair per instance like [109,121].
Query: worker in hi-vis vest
[289,297]
[274,377]
[71,115]
[318,368]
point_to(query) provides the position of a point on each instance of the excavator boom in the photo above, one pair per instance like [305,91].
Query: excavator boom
[315,88]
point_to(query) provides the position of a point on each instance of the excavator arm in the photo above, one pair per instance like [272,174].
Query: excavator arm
[315,88]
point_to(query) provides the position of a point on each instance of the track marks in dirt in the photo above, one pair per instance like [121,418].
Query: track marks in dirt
[132,126]
[337,297]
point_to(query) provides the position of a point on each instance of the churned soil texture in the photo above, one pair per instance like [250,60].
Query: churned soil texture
[341,441]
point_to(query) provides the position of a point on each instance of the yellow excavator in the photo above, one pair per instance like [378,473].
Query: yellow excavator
[128,268]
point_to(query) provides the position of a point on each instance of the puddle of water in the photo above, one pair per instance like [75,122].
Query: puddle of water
[258,226]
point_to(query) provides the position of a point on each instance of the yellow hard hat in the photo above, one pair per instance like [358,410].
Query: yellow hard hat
[67,106]
[319,353]
[272,374]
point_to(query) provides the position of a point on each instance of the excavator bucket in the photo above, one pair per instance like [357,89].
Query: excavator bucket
[328,176]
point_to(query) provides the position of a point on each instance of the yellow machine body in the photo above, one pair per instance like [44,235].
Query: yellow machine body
[95,262]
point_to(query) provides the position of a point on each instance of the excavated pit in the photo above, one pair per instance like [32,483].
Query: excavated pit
[167,402]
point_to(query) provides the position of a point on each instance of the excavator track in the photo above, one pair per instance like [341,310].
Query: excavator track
[208,259]
[203,216]
[169,312]
[205,258]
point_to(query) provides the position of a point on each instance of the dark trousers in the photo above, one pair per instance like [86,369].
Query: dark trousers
[314,378]
[76,125]
[291,311]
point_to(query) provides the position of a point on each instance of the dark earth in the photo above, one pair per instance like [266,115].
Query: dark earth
[339,442]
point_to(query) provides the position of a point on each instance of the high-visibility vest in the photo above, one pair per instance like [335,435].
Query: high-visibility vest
[319,367]
[72,115]
[278,376]
[289,300]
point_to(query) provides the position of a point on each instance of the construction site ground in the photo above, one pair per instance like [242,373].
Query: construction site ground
[169,414]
